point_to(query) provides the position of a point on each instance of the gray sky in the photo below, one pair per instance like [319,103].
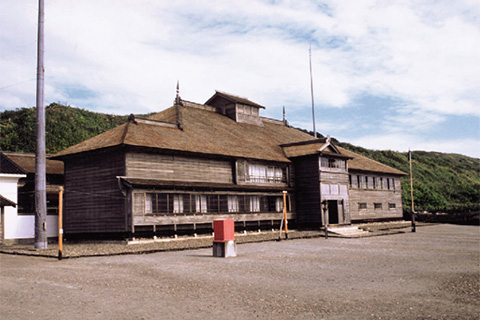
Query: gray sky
[387,74]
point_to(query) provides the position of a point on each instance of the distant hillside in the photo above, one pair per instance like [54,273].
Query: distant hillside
[65,126]
[441,181]
[445,182]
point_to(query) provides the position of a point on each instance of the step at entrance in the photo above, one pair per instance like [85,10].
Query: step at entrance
[348,232]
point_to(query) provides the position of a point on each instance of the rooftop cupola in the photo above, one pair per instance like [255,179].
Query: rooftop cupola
[237,108]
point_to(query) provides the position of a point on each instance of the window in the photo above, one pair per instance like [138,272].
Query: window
[201,203]
[177,203]
[376,182]
[366,182]
[392,206]
[332,163]
[353,181]
[138,203]
[362,205]
[279,204]
[377,206]
[262,173]
[381,183]
[390,183]
[254,204]
[334,189]
[148,203]
[232,203]
[359,181]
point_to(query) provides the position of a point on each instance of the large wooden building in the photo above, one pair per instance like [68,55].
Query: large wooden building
[193,163]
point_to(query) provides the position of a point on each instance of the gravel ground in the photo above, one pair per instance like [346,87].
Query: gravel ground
[108,248]
[431,274]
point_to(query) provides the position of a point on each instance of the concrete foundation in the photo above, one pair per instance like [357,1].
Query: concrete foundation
[225,249]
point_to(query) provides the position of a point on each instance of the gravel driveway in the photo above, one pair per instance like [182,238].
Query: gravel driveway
[431,274]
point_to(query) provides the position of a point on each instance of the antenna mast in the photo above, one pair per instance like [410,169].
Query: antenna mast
[311,91]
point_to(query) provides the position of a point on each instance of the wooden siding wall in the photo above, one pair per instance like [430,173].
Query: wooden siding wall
[93,201]
[178,168]
[334,186]
[372,196]
[308,209]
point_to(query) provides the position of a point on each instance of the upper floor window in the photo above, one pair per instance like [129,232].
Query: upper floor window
[332,163]
[265,174]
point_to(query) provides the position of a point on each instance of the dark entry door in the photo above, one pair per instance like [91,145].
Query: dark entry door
[332,211]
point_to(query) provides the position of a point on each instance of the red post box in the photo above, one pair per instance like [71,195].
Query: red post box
[224,244]
[224,230]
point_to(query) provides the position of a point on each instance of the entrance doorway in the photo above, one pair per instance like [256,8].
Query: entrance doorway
[332,211]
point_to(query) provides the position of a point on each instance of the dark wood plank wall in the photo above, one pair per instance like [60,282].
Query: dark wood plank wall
[307,190]
[93,201]
[371,196]
[178,168]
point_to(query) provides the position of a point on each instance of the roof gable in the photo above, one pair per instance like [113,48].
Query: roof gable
[8,166]
[232,99]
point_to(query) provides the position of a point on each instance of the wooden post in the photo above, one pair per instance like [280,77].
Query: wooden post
[325,217]
[411,191]
[60,223]
[285,213]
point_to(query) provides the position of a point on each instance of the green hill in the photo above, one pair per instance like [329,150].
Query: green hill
[444,182]
[441,181]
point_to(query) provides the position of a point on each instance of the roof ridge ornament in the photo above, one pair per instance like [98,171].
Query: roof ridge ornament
[178,100]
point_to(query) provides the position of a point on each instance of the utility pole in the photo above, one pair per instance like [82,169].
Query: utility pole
[311,92]
[40,174]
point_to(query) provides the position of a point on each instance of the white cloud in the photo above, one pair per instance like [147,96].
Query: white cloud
[404,142]
[128,57]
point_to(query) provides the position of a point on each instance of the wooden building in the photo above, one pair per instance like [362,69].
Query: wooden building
[18,222]
[193,163]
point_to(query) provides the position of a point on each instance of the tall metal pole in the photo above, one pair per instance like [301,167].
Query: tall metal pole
[40,174]
[311,92]
[411,190]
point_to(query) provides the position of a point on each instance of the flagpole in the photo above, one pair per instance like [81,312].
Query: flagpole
[411,190]
[311,92]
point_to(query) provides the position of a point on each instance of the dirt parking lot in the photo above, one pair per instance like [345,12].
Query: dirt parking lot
[431,274]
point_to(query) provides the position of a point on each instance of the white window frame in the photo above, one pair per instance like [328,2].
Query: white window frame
[232,202]
[254,203]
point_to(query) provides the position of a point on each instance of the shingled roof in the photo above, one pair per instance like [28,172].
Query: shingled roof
[361,163]
[8,166]
[202,132]
[26,161]
[197,128]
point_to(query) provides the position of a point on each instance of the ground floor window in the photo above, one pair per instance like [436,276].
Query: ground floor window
[362,205]
[177,203]
[377,206]
[232,203]
[254,204]
[158,203]
[200,203]
[392,206]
